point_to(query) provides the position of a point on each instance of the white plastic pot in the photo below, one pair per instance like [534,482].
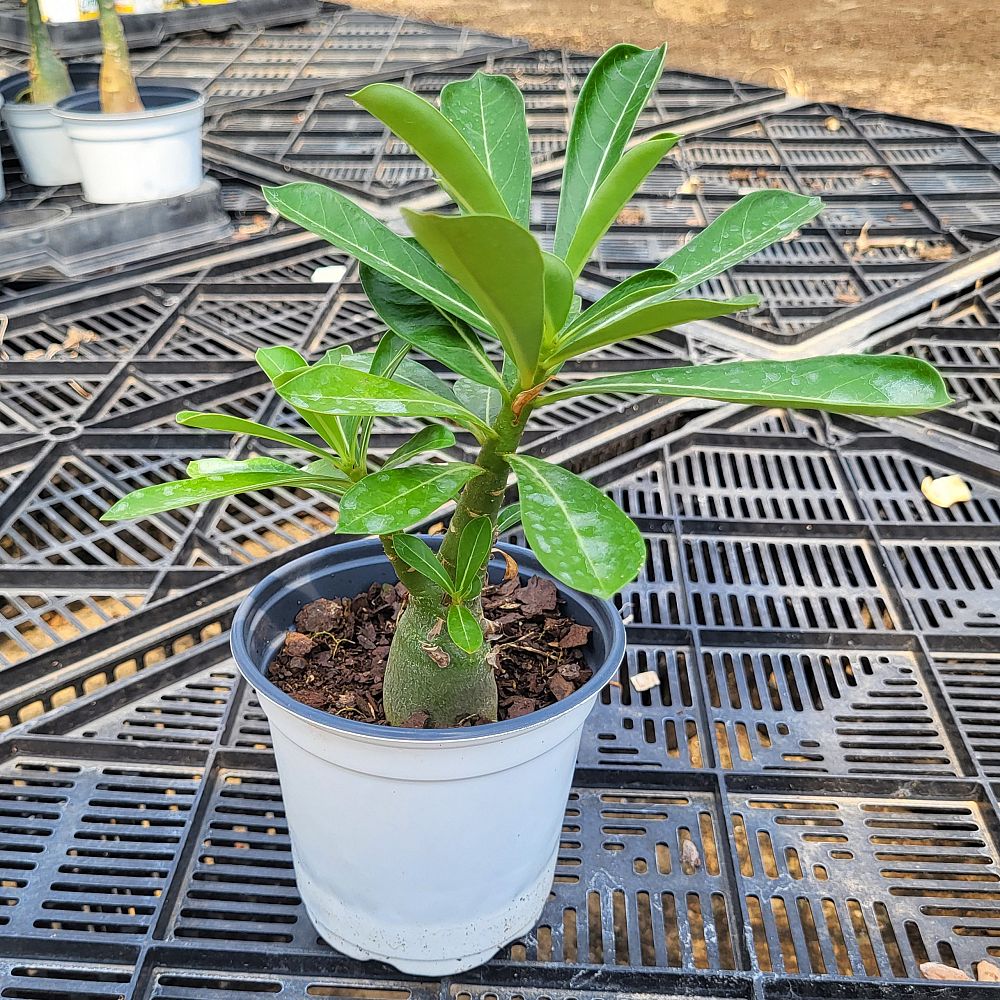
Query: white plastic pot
[426,849]
[141,155]
[37,135]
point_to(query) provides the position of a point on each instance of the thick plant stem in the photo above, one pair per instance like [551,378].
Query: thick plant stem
[116,85]
[426,671]
[47,73]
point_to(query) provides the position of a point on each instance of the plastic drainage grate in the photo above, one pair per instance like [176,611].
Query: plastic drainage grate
[961,337]
[801,801]
[860,884]
[336,44]
[83,37]
[888,222]
[321,134]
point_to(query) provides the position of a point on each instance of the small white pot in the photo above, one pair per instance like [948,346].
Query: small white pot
[141,155]
[37,135]
[426,849]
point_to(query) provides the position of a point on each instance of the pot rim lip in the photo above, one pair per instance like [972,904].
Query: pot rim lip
[396,736]
[188,99]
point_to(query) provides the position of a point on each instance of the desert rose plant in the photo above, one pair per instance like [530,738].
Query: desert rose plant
[479,278]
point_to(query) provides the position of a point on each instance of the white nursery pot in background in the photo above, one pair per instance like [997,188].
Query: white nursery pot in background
[37,135]
[428,849]
[140,155]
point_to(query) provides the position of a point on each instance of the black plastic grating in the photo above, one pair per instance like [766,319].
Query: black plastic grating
[864,885]
[115,832]
[811,711]
[30,979]
[973,685]
[322,134]
[884,225]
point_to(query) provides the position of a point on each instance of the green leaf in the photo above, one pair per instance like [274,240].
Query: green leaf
[329,214]
[431,438]
[474,546]
[508,517]
[237,425]
[388,356]
[489,112]
[278,363]
[324,468]
[483,401]
[437,142]
[392,500]
[610,102]
[406,372]
[612,196]
[222,466]
[884,386]
[754,222]
[558,292]
[418,555]
[463,628]
[348,392]
[500,265]
[578,534]
[169,496]
[635,288]
[641,317]
[422,324]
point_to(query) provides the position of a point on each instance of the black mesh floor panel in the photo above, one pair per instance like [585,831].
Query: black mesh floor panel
[803,808]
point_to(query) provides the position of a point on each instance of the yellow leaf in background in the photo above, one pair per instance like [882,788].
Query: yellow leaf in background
[946,490]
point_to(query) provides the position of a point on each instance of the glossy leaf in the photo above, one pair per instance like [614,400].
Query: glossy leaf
[422,324]
[754,222]
[237,425]
[508,517]
[578,534]
[278,364]
[635,288]
[185,492]
[437,142]
[348,392]
[483,401]
[883,386]
[610,102]
[500,265]
[612,196]
[418,555]
[432,438]
[463,628]
[489,113]
[474,546]
[224,466]
[389,354]
[558,292]
[329,214]
[640,318]
[405,372]
[392,500]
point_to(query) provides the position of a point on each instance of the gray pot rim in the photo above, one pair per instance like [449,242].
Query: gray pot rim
[14,80]
[184,99]
[367,552]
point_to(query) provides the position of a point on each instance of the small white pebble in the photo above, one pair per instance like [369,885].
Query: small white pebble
[946,490]
[646,680]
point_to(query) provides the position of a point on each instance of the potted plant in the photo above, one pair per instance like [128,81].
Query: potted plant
[133,143]
[35,132]
[430,841]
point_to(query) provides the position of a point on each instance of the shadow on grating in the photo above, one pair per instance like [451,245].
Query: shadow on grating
[862,885]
